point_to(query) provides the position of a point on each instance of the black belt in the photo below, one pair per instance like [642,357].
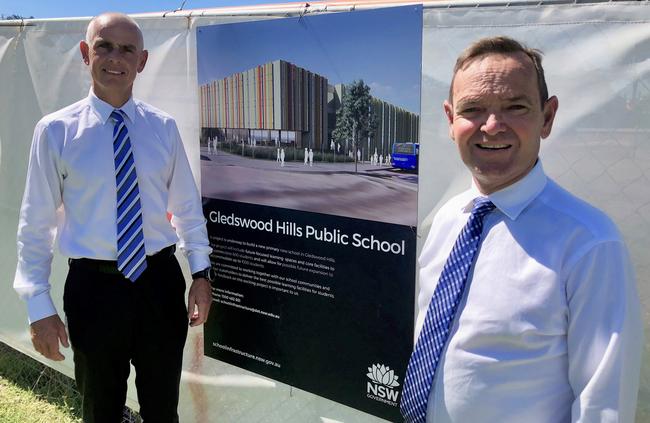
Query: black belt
[110,266]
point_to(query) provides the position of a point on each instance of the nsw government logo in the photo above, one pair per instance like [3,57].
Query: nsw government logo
[381,384]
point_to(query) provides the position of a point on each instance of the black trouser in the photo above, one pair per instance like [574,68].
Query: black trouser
[113,322]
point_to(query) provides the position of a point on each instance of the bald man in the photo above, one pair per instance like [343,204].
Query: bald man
[103,175]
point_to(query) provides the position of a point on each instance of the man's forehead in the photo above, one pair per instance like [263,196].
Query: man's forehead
[517,61]
[110,26]
[509,76]
[106,36]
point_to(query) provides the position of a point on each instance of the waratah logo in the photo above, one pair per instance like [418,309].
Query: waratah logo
[383,375]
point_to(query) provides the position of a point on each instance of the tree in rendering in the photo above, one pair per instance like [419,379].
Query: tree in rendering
[355,119]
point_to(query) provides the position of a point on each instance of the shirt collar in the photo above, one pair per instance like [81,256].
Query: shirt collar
[103,110]
[513,199]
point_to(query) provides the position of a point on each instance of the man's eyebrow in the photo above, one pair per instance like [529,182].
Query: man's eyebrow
[474,99]
[101,42]
[464,101]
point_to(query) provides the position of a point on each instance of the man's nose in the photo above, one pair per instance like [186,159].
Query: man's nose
[493,124]
[115,54]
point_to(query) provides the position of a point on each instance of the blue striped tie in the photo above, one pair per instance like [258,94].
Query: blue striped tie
[131,256]
[440,315]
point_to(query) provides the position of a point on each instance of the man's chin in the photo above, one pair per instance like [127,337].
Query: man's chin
[494,178]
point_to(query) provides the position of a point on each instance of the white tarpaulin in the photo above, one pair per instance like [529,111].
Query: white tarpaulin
[597,61]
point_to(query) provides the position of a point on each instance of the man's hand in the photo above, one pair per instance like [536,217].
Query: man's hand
[46,334]
[200,297]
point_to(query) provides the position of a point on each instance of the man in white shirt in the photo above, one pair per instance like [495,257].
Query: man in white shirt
[548,325]
[73,194]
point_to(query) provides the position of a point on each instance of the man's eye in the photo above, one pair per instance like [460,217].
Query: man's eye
[517,107]
[470,110]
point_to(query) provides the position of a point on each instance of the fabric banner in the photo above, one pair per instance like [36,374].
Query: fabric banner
[309,178]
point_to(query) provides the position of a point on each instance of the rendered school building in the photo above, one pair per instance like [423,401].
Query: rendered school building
[281,103]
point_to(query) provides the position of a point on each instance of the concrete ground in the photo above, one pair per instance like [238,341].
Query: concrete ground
[373,193]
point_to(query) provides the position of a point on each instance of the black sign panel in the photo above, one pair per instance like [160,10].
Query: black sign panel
[316,301]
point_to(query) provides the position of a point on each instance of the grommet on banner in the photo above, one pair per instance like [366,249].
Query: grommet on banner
[21,29]
[304,10]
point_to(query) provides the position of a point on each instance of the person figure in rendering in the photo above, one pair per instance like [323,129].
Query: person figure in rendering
[306,156]
[282,157]
[528,309]
[103,174]
[213,143]
[311,157]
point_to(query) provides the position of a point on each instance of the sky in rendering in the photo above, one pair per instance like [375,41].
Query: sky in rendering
[381,46]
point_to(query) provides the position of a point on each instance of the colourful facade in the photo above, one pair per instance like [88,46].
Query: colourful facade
[275,96]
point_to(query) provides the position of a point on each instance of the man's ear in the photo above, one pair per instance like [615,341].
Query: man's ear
[143,60]
[449,113]
[84,48]
[549,110]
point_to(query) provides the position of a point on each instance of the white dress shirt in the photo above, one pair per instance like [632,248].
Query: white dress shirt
[70,193]
[549,328]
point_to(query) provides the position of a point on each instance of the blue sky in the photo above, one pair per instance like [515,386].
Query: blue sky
[382,47]
[70,8]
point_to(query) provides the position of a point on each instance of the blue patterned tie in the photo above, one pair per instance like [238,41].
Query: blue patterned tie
[131,258]
[440,314]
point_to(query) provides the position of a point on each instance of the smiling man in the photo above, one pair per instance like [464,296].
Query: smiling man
[528,308]
[103,175]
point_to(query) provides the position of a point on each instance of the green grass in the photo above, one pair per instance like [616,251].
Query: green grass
[18,405]
[31,392]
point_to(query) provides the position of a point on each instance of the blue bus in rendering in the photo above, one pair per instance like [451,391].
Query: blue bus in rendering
[405,155]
